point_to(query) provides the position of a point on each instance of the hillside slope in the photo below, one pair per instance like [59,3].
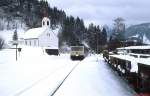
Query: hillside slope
[141,31]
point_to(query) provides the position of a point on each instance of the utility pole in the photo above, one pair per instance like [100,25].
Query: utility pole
[97,42]
[15,40]
[16,52]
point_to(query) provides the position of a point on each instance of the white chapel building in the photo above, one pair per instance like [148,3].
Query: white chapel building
[43,36]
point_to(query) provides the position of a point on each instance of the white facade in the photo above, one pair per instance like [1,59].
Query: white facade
[43,36]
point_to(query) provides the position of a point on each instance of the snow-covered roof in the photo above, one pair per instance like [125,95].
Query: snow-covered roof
[136,36]
[135,47]
[145,61]
[34,32]
[123,57]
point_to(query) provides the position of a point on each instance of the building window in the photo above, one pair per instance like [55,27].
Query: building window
[26,43]
[34,42]
[30,43]
[47,22]
[48,34]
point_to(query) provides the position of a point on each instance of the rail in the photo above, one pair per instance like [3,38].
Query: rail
[53,93]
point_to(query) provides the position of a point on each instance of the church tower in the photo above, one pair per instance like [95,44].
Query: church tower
[46,22]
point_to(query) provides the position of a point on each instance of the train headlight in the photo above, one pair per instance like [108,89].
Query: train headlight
[77,54]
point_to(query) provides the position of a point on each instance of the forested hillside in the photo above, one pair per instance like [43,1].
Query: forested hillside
[28,14]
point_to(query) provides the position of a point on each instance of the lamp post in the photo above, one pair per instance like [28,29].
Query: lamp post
[16,51]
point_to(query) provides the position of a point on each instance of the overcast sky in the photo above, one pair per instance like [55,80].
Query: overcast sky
[103,12]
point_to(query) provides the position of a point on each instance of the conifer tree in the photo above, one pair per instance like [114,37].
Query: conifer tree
[1,43]
[15,36]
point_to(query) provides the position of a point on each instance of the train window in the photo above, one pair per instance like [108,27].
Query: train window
[148,51]
[142,56]
[77,48]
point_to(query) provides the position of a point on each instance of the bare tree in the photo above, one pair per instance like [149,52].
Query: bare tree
[119,25]
[118,35]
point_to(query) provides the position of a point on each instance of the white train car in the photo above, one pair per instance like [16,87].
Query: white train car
[77,53]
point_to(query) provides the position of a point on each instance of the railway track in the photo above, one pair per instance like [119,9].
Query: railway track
[59,85]
[49,78]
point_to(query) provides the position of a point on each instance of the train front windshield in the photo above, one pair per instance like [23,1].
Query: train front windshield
[77,48]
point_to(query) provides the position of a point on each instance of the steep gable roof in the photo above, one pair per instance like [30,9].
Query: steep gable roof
[34,32]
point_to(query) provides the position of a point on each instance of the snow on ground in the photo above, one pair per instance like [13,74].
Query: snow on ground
[94,78]
[33,69]
[38,74]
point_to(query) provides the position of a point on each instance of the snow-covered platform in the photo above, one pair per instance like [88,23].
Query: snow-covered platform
[94,78]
